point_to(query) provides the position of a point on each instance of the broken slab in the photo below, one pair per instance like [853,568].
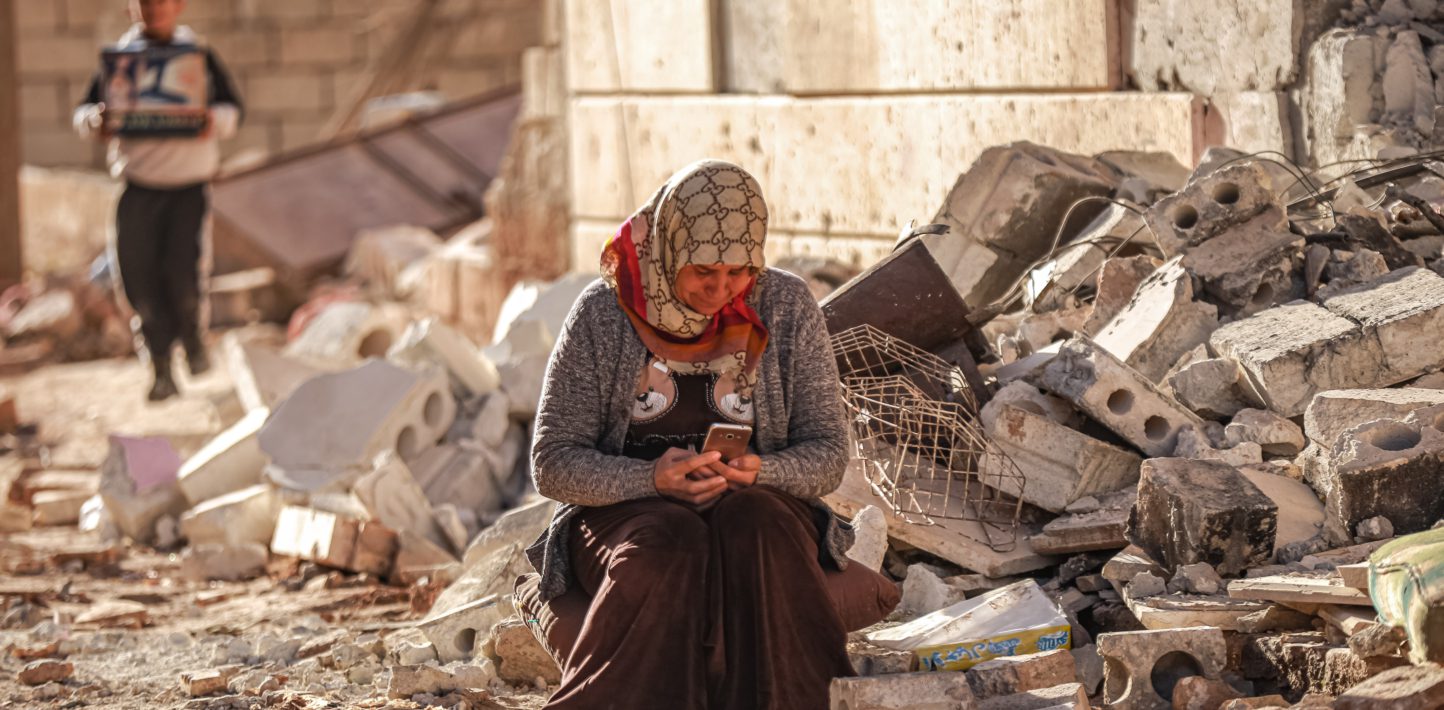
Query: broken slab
[1062,464]
[1117,281]
[331,540]
[1143,667]
[1019,674]
[1066,696]
[1334,412]
[407,681]
[393,498]
[58,507]
[459,633]
[217,561]
[138,484]
[1117,396]
[945,690]
[1404,311]
[1298,588]
[246,515]
[1418,687]
[262,376]
[1386,467]
[336,423]
[452,473]
[1200,511]
[1083,532]
[1300,512]
[1209,387]
[429,341]
[230,461]
[1275,434]
[496,557]
[1160,324]
[344,333]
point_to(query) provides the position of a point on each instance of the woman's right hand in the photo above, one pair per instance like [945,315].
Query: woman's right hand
[672,471]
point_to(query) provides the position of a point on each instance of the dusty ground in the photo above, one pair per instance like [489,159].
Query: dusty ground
[281,630]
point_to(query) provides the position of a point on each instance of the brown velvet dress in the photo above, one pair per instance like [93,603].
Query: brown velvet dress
[723,609]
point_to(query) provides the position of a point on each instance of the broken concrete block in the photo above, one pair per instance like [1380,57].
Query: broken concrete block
[1385,467]
[1197,578]
[1200,693]
[547,304]
[1078,262]
[59,507]
[393,498]
[992,241]
[1375,528]
[419,558]
[1067,696]
[1406,688]
[1146,584]
[1404,312]
[384,407]
[1208,387]
[247,515]
[263,377]
[1194,444]
[1334,412]
[430,341]
[229,462]
[381,256]
[870,544]
[942,690]
[218,561]
[519,657]
[1276,435]
[459,633]
[1301,513]
[1143,667]
[207,682]
[1062,465]
[1160,324]
[1020,674]
[1117,396]
[1199,511]
[138,484]
[924,592]
[1118,280]
[331,540]
[344,333]
[461,475]
[1292,352]
[1025,396]
[407,681]
[496,557]
[458,532]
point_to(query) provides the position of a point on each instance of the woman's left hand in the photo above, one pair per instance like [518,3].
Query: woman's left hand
[740,472]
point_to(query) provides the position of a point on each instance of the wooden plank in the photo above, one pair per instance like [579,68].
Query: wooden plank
[961,542]
[1349,619]
[1355,576]
[1298,588]
[1099,530]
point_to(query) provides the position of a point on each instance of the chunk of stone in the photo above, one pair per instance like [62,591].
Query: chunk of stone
[407,681]
[1208,387]
[430,341]
[1160,324]
[1334,412]
[412,653]
[44,671]
[393,498]
[1375,528]
[1089,667]
[1194,444]
[329,539]
[1003,212]
[458,633]
[1062,464]
[870,545]
[1292,352]
[457,530]
[1118,280]
[1117,396]
[495,558]
[1404,312]
[1404,688]
[1197,578]
[1025,396]
[463,475]
[345,333]
[263,377]
[380,406]
[1146,584]
[1143,668]
[1200,693]
[519,657]
[1067,696]
[246,515]
[229,462]
[924,592]
[207,682]
[1277,435]
[228,562]
[941,690]
[1192,511]
[1017,674]
[1385,467]
[138,484]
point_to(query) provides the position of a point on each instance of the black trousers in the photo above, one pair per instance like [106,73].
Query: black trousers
[158,243]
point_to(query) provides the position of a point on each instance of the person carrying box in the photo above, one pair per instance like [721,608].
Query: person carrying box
[167,156]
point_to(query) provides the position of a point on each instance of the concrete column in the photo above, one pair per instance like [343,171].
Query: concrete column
[9,149]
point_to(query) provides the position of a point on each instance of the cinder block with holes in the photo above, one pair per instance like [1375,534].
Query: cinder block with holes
[1387,467]
[1191,510]
[1117,396]
[1141,668]
[459,633]
[340,421]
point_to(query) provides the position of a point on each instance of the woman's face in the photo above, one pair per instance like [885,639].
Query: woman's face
[707,289]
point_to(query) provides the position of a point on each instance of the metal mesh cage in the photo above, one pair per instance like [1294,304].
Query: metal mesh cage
[915,426]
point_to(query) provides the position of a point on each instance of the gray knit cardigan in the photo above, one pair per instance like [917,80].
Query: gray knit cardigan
[581,426]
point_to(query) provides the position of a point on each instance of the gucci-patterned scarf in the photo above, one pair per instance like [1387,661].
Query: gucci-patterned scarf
[710,212]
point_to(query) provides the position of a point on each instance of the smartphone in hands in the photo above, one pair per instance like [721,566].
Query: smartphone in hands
[729,439]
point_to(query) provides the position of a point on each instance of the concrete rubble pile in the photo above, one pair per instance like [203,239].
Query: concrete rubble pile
[1224,395]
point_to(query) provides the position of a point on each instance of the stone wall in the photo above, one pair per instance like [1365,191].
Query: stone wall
[295,61]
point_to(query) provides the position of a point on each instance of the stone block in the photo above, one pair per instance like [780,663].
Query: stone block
[800,47]
[1199,693]
[331,540]
[263,377]
[1275,434]
[496,557]
[520,658]
[870,544]
[626,46]
[347,332]
[1292,352]
[863,147]
[1160,324]
[407,681]
[1019,674]
[1117,396]
[1250,121]
[1142,668]
[394,499]
[1200,511]
[60,507]
[138,484]
[385,407]
[208,682]
[1118,280]
[1209,387]
[1342,90]
[1404,311]
[246,515]
[458,634]
[1061,465]
[1334,412]
[1300,512]
[451,473]
[217,561]
[941,690]
[1183,46]
[1406,688]
[1067,696]
[227,463]
[1386,467]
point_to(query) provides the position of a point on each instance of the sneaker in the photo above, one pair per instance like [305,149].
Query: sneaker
[198,359]
[164,388]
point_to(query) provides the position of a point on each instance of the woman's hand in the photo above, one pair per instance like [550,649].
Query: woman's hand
[740,472]
[672,476]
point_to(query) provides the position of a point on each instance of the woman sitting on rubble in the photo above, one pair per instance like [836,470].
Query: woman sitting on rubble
[706,575]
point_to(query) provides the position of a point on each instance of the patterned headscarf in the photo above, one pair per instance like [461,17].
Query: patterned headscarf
[710,212]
